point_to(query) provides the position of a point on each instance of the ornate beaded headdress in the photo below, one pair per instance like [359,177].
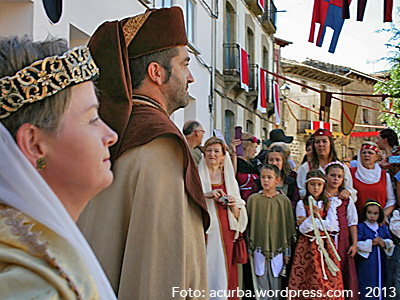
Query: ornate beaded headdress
[45,78]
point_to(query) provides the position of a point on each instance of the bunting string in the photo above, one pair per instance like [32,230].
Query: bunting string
[341,100]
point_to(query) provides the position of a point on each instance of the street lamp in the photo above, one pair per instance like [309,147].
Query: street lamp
[285,90]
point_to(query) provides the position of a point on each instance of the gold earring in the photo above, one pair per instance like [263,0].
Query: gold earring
[41,163]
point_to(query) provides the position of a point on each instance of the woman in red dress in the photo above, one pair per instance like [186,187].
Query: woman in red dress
[228,217]
[316,273]
[371,181]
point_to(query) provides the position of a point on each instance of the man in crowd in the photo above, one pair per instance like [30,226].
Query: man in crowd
[194,134]
[147,228]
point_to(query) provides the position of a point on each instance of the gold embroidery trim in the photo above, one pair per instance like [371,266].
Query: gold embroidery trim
[44,78]
[22,228]
[131,28]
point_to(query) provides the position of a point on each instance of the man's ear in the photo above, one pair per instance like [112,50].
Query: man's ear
[278,179]
[156,73]
[28,140]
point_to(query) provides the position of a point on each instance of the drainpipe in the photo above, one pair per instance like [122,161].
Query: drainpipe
[213,60]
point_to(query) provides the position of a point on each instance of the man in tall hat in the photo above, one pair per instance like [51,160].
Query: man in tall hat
[147,228]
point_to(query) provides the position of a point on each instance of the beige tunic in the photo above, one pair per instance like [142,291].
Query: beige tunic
[146,233]
[25,269]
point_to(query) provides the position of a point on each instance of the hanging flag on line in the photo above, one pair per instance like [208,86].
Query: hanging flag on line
[348,118]
[261,4]
[262,90]
[276,102]
[244,69]
[324,125]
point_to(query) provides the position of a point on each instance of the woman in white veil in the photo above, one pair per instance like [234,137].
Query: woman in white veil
[228,217]
[53,159]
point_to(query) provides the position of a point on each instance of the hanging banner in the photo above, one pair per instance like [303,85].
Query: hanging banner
[348,118]
[261,4]
[365,134]
[315,125]
[325,106]
[275,89]
[262,90]
[244,70]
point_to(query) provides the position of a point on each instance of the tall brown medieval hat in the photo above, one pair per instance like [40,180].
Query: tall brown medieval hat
[114,43]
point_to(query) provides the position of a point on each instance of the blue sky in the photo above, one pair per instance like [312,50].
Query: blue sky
[359,46]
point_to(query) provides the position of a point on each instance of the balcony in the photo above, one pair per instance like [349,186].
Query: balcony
[268,19]
[231,60]
[253,77]
[252,95]
[302,125]
[231,67]
[254,7]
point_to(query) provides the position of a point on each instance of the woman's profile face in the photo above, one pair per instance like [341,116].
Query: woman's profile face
[214,155]
[381,142]
[322,146]
[77,157]
[250,151]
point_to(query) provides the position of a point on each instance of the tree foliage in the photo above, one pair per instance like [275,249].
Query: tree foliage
[392,85]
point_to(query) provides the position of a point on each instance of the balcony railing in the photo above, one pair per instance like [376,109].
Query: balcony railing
[253,77]
[254,7]
[302,125]
[232,63]
[268,19]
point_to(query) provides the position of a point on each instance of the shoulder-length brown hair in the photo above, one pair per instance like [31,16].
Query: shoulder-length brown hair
[214,140]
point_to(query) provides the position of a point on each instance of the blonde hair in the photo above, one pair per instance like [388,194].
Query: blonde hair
[282,145]
[246,136]
[214,140]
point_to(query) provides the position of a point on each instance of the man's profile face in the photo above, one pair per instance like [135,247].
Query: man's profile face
[175,89]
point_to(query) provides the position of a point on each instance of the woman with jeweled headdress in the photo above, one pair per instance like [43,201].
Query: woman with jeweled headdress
[54,157]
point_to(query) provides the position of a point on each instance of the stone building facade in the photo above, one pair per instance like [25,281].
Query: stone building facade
[302,105]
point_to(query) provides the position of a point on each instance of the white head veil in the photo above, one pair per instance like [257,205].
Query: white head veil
[22,187]
[367,176]
[232,189]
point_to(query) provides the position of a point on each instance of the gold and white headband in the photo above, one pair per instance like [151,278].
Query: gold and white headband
[315,178]
[44,78]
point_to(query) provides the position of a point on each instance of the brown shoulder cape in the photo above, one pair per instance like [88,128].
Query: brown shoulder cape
[146,124]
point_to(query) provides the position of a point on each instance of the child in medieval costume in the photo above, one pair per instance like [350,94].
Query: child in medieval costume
[374,245]
[346,238]
[316,269]
[272,230]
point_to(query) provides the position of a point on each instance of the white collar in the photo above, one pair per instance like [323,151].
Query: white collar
[367,176]
[373,226]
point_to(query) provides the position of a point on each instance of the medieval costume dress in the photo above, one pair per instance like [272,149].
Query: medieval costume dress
[246,176]
[158,255]
[43,255]
[372,260]
[372,183]
[310,269]
[272,231]
[347,216]
[307,167]
[154,213]
[224,229]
